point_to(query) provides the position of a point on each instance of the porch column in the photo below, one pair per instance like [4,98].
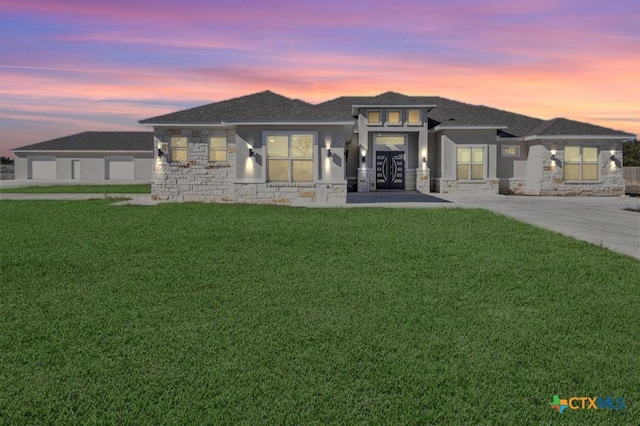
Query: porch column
[365,174]
[422,172]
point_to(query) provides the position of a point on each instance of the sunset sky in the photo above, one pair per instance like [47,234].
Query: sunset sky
[68,66]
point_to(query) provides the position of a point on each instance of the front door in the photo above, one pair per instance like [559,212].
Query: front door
[389,170]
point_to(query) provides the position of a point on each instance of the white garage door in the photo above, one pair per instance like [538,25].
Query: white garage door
[121,169]
[43,169]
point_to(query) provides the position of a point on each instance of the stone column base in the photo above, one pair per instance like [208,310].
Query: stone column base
[366,180]
[423,182]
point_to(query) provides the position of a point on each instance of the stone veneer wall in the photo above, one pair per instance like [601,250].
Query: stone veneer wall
[199,180]
[410,179]
[487,186]
[513,187]
[611,176]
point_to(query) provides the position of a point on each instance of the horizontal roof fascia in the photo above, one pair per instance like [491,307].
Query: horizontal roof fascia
[577,137]
[468,127]
[253,123]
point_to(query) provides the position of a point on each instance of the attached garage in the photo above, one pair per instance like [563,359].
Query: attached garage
[44,168]
[90,157]
[120,168]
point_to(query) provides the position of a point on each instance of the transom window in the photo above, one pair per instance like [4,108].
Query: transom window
[218,149]
[373,117]
[470,163]
[290,158]
[414,116]
[394,117]
[580,163]
[178,148]
[390,139]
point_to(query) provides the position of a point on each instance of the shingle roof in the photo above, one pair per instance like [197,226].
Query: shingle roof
[271,107]
[563,126]
[291,111]
[96,141]
[221,111]
[259,107]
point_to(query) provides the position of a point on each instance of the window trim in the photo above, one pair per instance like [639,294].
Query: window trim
[173,149]
[225,149]
[379,122]
[289,134]
[417,123]
[394,123]
[503,152]
[484,163]
[581,163]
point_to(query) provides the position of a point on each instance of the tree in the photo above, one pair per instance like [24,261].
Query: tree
[631,154]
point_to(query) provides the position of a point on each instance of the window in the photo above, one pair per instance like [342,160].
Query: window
[373,117]
[178,148]
[580,163]
[218,149]
[414,116]
[511,150]
[394,117]
[470,163]
[290,158]
[390,139]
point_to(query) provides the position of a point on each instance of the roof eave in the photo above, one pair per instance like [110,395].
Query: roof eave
[579,137]
[165,124]
[440,128]
[295,123]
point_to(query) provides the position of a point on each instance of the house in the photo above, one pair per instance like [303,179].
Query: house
[88,156]
[267,148]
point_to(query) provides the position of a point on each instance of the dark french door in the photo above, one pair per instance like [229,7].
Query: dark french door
[389,170]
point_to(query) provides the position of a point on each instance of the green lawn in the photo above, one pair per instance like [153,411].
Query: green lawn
[80,189]
[195,313]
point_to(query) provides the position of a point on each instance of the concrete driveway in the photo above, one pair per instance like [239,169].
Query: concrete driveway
[598,220]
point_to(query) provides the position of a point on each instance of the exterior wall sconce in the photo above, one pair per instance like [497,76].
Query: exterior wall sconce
[424,160]
[613,157]
[251,153]
[553,157]
[364,159]
[329,153]
[161,153]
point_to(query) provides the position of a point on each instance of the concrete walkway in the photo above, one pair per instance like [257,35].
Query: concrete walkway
[20,183]
[139,199]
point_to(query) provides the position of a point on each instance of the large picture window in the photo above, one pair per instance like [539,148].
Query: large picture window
[178,148]
[580,163]
[217,149]
[290,158]
[470,163]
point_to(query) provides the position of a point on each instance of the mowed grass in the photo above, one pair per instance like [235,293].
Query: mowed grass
[80,189]
[232,314]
